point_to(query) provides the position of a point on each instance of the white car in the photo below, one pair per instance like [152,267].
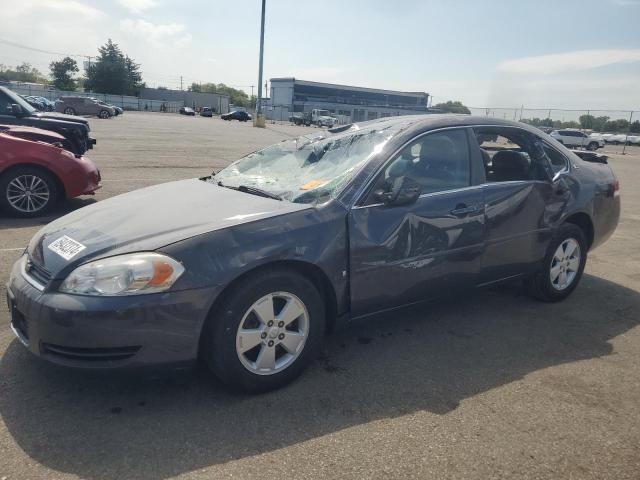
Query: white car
[577,139]
[633,140]
[617,139]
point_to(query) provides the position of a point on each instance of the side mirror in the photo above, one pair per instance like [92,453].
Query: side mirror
[404,191]
[15,110]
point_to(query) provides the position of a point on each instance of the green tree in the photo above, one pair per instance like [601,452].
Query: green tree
[452,107]
[635,127]
[22,73]
[62,73]
[113,72]
[236,97]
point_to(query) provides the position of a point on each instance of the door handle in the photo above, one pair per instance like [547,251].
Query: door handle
[462,210]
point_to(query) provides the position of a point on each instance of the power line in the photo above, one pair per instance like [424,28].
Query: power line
[33,49]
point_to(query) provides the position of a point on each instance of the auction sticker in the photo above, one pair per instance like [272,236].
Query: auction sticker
[66,247]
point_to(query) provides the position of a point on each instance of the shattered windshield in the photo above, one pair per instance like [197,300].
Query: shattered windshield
[307,169]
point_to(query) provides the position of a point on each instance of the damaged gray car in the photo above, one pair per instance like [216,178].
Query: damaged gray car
[248,269]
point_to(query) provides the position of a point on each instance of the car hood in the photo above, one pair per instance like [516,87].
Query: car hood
[31,133]
[61,116]
[149,219]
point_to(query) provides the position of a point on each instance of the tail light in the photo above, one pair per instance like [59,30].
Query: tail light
[616,187]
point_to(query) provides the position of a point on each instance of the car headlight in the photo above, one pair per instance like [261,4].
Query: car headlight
[130,274]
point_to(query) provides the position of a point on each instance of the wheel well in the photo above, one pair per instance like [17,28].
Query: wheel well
[308,270]
[59,183]
[583,221]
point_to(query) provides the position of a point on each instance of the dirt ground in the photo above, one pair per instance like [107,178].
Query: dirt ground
[492,385]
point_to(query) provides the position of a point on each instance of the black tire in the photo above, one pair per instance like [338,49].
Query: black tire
[104,114]
[540,285]
[69,111]
[593,146]
[46,177]
[218,346]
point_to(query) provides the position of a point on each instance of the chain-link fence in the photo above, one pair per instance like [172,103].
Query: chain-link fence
[602,121]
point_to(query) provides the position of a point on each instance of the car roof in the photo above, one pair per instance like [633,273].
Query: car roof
[434,121]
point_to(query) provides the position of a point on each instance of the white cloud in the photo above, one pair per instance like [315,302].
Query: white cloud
[137,6]
[157,34]
[26,7]
[570,61]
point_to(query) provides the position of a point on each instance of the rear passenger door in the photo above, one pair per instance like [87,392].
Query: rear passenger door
[401,254]
[521,201]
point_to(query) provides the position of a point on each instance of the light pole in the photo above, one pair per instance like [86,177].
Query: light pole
[259,118]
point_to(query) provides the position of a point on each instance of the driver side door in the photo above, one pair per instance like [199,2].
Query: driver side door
[403,254]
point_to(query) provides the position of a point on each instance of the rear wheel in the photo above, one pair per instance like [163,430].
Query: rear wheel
[265,331]
[562,266]
[28,192]
[69,111]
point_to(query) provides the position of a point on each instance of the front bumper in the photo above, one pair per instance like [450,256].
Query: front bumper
[107,332]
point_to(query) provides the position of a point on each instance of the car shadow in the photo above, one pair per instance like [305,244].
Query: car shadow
[64,207]
[128,425]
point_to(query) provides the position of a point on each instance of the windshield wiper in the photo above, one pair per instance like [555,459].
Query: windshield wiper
[251,190]
[258,191]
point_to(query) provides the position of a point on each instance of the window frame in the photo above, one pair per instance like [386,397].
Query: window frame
[474,157]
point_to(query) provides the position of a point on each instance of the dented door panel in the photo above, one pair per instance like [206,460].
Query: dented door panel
[404,254]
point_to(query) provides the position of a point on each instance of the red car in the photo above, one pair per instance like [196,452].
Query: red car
[37,170]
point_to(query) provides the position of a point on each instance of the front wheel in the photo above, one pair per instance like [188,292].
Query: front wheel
[593,146]
[265,331]
[27,192]
[104,114]
[563,265]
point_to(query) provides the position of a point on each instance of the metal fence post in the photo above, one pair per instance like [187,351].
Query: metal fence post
[626,139]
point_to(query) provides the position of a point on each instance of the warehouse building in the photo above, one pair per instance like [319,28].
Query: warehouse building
[349,104]
[217,101]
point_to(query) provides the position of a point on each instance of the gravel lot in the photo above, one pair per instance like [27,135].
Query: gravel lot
[492,385]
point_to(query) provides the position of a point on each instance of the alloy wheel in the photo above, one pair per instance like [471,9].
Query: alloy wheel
[272,333]
[565,264]
[28,193]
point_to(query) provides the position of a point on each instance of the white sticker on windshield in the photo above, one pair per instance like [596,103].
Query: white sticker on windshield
[66,247]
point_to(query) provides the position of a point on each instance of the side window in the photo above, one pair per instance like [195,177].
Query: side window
[435,162]
[5,103]
[557,161]
[507,153]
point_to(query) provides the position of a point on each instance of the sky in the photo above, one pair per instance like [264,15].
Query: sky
[578,54]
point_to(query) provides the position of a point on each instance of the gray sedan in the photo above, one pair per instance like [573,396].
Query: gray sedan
[248,269]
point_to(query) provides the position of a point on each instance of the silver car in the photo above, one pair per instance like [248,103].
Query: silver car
[84,106]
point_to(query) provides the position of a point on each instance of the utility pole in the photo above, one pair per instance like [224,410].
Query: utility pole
[259,118]
[180,82]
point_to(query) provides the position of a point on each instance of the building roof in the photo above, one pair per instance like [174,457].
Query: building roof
[348,87]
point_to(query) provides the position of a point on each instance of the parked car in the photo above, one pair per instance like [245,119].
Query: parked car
[36,170]
[35,103]
[303,118]
[633,140]
[617,139]
[248,268]
[187,111]
[15,111]
[49,105]
[84,106]
[116,110]
[577,139]
[206,112]
[236,115]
